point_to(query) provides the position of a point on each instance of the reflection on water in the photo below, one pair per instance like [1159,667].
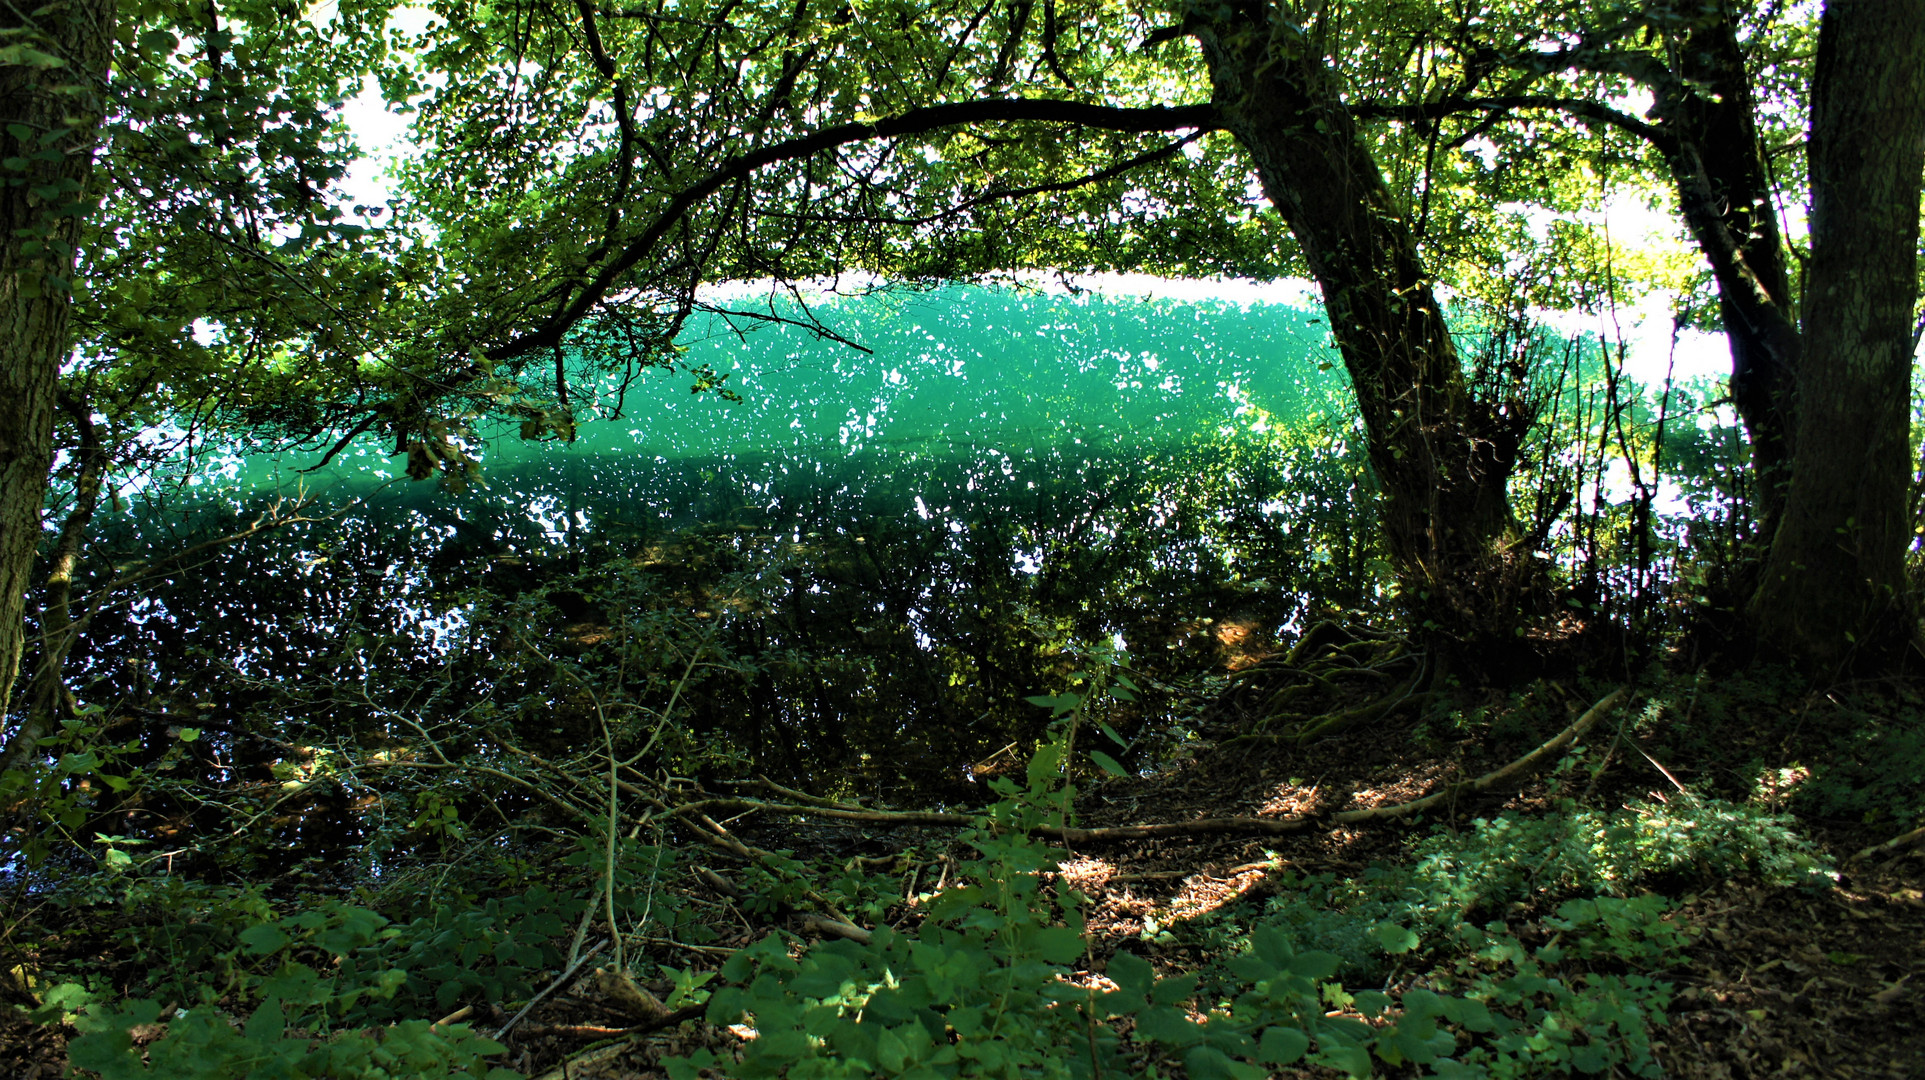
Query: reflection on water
[876,557]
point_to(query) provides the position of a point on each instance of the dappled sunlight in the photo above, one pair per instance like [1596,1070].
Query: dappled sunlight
[1777,787]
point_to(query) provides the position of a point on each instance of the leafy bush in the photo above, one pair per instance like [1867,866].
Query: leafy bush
[321,976]
[1319,912]
[201,1044]
[1584,850]
[1542,1025]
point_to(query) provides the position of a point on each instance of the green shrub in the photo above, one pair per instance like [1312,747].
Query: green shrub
[984,987]
[1576,850]
[201,1044]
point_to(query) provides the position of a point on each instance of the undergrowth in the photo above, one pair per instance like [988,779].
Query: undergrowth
[1521,946]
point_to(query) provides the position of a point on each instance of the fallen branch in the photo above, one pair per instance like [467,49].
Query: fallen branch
[824,925]
[887,817]
[1523,766]
[1241,826]
[619,989]
[1248,826]
[560,981]
[1896,843]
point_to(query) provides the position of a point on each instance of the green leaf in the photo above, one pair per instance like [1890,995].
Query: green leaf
[1171,1027]
[1059,944]
[1393,938]
[103,1052]
[1132,974]
[1590,1058]
[1282,1045]
[1206,1063]
[1371,1003]
[1354,1060]
[268,1023]
[1314,965]
[264,939]
[1107,763]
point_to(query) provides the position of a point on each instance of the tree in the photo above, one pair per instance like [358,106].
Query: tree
[1835,573]
[1820,375]
[790,142]
[53,67]
[195,266]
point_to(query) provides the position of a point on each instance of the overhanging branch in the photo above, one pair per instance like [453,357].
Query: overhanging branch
[914,122]
[1581,108]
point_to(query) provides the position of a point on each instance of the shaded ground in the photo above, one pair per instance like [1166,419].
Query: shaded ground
[1776,983]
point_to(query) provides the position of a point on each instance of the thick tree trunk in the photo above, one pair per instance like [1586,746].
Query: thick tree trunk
[1834,580]
[1726,194]
[56,109]
[1443,459]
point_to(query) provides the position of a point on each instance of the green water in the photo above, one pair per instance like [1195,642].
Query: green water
[961,373]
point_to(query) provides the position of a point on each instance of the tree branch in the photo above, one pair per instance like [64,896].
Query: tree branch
[1579,107]
[914,122]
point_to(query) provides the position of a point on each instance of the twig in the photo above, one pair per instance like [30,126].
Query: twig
[716,950]
[560,981]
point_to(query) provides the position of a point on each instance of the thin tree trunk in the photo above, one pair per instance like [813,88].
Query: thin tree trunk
[49,700]
[39,227]
[1834,579]
[1443,459]
[1725,190]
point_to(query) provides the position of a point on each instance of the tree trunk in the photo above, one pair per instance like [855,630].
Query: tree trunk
[56,106]
[1442,458]
[1726,195]
[1834,579]
[48,699]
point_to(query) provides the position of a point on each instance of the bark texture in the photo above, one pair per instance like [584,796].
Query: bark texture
[48,115]
[1834,579]
[1442,457]
[48,699]
[1726,194]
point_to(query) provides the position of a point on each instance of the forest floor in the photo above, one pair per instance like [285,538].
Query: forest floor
[1773,981]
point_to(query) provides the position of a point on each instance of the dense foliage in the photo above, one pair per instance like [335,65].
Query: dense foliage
[409,666]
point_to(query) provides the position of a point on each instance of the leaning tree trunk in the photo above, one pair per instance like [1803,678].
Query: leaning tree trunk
[48,699]
[1442,458]
[54,104]
[1834,580]
[1716,161]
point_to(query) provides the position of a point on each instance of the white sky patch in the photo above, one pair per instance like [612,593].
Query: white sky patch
[382,135]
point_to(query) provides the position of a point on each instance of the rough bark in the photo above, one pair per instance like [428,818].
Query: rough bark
[1442,458]
[1726,194]
[1833,581]
[56,109]
[48,699]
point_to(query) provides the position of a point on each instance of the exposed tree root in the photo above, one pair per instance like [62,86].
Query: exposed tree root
[1332,680]
[1518,769]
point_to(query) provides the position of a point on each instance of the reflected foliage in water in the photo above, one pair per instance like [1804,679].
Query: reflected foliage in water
[855,595]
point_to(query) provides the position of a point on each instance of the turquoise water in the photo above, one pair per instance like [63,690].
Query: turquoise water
[960,373]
